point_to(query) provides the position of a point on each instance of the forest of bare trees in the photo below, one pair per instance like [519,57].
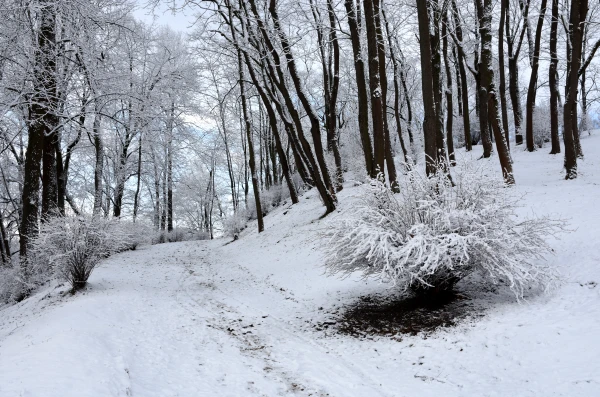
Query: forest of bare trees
[262,100]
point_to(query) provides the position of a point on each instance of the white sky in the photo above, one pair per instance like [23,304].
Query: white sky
[162,15]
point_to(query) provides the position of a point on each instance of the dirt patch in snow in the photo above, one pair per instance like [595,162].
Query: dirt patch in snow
[394,316]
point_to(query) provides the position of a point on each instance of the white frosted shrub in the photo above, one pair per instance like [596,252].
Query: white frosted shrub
[433,234]
[69,248]
[235,223]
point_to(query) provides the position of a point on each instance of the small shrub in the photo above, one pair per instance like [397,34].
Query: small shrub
[177,235]
[234,224]
[11,289]
[70,248]
[269,199]
[133,234]
[433,234]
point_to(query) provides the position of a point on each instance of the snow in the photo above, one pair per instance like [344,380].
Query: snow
[220,318]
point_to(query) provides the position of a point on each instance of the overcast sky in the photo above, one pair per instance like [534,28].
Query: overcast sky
[163,16]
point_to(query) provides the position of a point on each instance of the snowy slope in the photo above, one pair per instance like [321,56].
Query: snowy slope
[236,319]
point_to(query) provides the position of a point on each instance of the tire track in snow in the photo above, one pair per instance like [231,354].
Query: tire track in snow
[256,343]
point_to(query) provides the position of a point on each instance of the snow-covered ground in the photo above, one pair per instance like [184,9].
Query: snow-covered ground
[237,319]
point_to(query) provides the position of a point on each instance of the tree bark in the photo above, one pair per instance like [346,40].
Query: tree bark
[315,128]
[577,17]
[553,80]
[504,9]
[532,91]
[389,152]
[5,258]
[488,90]
[99,164]
[248,126]
[377,105]
[463,80]
[485,73]
[513,72]
[429,123]
[449,104]
[396,88]
[361,85]
[170,129]
[41,122]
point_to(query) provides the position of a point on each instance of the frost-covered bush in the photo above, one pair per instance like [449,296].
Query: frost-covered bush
[433,234]
[269,199]
[179,234]
[11,289]
[133,234]
[541,125]
[235,223]
[70,248]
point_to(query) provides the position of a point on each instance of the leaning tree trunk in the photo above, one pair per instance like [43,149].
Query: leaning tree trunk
[248,126]
[262,91]
[330,199]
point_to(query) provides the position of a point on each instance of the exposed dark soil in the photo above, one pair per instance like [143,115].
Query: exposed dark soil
[393,316]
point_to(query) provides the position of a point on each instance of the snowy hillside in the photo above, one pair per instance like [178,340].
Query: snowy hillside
[245,318]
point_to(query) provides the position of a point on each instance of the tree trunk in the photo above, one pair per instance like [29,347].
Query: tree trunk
[553,80]
[389,153]
[504,9]
[488,90]
[361,84]
[170,168]
[463,81]
[323,183]
[484,74]
[532,91]
[578,15]
[41,122]
[136,196]
[377,110]
[99,164]
[248,125]
[273,124]
[429,123]
[436,59]
[513,71]
[49,177]
[449,105]
[396,89]
[315,129]
[331,114]
[5,258]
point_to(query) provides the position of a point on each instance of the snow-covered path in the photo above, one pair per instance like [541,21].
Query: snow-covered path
[236,319]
